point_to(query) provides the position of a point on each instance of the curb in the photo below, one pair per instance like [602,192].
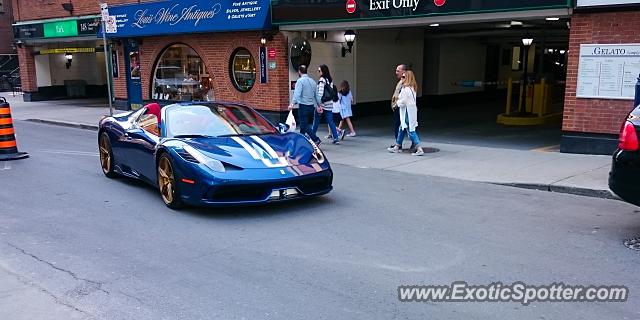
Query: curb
[65,124]
[585,192]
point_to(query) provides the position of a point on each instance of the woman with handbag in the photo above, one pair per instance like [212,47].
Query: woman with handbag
[325,102]
[408,114]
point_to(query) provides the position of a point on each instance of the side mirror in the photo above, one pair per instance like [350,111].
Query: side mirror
[283,127]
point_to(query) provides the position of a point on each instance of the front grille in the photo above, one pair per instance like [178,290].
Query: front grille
[260,191]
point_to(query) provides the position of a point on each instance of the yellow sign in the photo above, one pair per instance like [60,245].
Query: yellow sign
[68,50]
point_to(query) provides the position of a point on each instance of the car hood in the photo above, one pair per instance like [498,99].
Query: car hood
[256,151]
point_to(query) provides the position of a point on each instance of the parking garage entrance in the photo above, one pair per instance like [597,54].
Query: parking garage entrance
[482,62]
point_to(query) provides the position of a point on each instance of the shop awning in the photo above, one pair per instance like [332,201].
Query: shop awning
[292,12]
[190,16]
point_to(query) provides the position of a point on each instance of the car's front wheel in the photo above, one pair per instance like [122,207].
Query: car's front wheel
[106,156]
[167,183]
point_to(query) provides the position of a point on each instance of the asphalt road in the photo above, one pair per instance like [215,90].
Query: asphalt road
[76,245]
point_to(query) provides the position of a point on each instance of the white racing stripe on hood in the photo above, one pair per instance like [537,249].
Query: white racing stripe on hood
[252,150]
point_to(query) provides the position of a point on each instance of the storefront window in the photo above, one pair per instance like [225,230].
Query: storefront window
[180,75]
[243,70]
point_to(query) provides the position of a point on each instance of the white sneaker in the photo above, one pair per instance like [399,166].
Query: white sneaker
[351,134]
[418,152]
[394,149]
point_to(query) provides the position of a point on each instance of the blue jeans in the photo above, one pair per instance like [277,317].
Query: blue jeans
[305,113]
[413,135]
[328,116]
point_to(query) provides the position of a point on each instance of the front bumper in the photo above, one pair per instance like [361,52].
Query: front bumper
[254,187]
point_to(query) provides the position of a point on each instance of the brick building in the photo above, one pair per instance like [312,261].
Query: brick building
[592,121]
[181,55]
[449,44]
[6,34]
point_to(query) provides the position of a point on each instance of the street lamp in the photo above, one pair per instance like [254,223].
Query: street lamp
[266,37]
[69,58]
[349,38]
[526,42]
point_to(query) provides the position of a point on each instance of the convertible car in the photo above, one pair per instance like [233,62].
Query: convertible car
[212,153]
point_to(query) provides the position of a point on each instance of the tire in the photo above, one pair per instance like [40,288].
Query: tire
[106,156]
[167,182]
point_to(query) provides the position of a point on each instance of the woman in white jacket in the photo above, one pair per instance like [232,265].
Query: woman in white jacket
[408,114]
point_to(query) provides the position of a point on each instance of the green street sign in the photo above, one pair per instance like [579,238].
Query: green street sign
[68,28]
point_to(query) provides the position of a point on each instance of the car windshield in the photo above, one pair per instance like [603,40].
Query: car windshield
[215,121]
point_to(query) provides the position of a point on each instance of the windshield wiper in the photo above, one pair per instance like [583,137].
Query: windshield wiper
[193,136]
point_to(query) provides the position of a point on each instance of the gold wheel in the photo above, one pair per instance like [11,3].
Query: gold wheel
[166,181]
[106,156]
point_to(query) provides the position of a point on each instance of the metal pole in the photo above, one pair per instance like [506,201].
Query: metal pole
[106,63]
[523,107]
[636,101]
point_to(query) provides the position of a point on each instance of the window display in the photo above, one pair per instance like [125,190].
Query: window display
[243,69]
[180,75]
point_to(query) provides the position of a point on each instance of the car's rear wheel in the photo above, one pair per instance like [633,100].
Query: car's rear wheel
[167,183]
[106,156]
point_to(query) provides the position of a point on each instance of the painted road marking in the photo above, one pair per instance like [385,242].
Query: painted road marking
[6,166]
[71,152]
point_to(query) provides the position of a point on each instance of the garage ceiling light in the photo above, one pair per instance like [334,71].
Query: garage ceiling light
[552,19]
[516,23]
[434,25]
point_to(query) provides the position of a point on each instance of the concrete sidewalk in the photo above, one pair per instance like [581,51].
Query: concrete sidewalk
[544,170]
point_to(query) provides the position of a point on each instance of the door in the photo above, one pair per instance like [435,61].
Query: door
[142,139]
[133,68]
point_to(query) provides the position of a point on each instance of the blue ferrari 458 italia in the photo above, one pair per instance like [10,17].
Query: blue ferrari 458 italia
[212,153]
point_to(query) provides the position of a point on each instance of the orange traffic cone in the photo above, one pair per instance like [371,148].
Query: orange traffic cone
[8,145]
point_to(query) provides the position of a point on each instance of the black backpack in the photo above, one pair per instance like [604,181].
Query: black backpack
[330,93]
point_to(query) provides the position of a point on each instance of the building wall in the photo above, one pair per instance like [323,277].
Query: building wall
[27,69]
[327,52]
[43,70]
[6,34]
[215,50]
[24,10]
[377,55]
[459,60]
[597,115]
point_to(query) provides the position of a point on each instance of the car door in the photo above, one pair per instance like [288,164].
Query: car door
[142,138]
[119,143]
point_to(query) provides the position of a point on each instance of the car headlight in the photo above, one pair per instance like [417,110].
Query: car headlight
[317,153]
[211,163]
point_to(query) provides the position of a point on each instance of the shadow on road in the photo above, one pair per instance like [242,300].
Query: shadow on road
[228,212]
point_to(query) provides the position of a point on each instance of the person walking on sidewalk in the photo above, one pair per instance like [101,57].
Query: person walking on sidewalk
[400,70]
[408,110]
[304,96]
[335,112]
[345,99]
[325,102]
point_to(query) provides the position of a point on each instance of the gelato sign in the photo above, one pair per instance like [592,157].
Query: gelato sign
[169,17]
[608,71]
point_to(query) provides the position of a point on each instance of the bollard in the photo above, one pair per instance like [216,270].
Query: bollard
[636,100]
[8,145]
